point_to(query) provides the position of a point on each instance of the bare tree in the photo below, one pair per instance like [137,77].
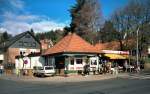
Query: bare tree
[131,17]
[86,18]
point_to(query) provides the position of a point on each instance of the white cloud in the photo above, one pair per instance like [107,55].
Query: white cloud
[9,16]
[2,30]
[15,27]
[17,4]
[47,25]
[15,23]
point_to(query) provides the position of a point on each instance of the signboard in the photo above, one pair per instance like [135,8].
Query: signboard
[115,52]
[25,61]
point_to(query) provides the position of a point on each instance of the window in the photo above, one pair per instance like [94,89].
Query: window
[78,61]
[30,44]
[72,61]
[93,62]
[48,68]
[22,52]
[33,44]
[27,36]
[25,44]
[20,43]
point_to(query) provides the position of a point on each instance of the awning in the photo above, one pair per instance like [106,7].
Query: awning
[115,56]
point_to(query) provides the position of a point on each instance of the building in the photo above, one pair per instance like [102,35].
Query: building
[46,44]
[109,52]
[71,53]
[21,44]
[32,60]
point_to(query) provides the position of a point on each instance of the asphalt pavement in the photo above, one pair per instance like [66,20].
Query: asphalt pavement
[109,86]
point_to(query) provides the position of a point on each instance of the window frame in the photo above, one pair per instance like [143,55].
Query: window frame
[79,59]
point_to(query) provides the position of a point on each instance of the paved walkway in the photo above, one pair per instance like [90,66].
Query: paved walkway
[71,78]
[76,78]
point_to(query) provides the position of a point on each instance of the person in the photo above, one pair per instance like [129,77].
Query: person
[125,66]
[116,69]
[104,67]
[86,69]
[17,72]
[1,69]
[94,70]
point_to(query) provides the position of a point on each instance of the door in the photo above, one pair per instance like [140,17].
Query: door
[60,65]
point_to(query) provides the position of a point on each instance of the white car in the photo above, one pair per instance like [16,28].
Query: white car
[44,71]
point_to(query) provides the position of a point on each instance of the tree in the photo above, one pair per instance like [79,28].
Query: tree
[108,33]
[134,15]
[86,18]
[55,36]
[5,36]
[66,30]
[32,31]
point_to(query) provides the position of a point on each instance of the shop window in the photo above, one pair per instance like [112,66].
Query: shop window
[72,61]
[79,61]
[93,62]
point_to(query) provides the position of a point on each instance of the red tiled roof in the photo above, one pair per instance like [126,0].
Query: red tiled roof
[114,45]
[71,43]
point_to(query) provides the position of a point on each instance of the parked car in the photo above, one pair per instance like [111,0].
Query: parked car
[44,71]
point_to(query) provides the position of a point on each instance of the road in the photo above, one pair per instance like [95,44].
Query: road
[111,86]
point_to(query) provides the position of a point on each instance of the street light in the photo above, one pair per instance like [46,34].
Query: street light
[137,49]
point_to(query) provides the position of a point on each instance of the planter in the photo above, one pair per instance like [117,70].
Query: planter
[30,72]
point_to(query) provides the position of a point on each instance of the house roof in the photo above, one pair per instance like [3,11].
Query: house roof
[71,43]
[8,43]
[114,45]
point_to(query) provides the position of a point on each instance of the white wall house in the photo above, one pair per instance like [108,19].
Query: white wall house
[29,62]
[77,63]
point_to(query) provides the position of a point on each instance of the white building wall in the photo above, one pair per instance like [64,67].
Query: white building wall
[94,63]
[1,57]
[76,66]
[35,61]
[81,66]
[149,50]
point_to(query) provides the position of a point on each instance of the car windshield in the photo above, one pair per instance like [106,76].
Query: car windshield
[48,68]
[38,68]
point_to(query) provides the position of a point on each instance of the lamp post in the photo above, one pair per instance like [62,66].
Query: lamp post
[137,48]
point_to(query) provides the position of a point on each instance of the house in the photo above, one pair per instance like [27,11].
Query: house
[46,44]
[70,53]
[110,52]
[29,62]
[21,44]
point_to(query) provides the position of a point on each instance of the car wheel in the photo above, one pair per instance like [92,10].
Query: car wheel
[34,74]
[42,75]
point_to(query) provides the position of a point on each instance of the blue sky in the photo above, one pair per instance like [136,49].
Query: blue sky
[43,15]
